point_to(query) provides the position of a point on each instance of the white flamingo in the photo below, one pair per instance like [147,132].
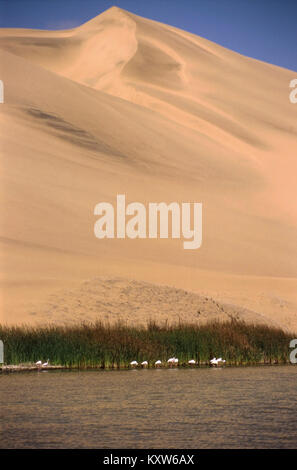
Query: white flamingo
[144,363]
[214,362]
[38,363]
[134,363]
[45,364]
[175,362]
[191,362]
[158,363]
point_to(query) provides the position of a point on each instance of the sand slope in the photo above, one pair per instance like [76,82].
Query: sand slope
[123,104]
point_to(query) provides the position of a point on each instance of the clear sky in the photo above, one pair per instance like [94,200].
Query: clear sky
[263,29]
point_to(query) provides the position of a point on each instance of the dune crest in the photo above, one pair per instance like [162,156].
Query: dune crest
[126,105]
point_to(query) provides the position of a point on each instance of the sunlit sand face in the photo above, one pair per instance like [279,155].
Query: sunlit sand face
[124,105]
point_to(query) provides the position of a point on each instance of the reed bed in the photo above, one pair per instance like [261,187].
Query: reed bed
[101,345]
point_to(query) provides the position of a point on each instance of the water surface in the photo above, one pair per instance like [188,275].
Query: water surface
[253,407]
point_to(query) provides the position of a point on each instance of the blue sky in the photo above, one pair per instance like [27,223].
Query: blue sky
[263,29]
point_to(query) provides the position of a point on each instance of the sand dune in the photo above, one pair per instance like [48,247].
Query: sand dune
[125,105]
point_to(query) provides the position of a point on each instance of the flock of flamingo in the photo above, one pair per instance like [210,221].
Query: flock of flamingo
[40,364]
[172,361]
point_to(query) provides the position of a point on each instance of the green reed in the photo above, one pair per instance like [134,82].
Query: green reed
[103,345]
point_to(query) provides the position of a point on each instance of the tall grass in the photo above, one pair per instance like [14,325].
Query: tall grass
[102,345]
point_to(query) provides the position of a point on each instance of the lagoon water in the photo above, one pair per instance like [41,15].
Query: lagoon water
[252,407]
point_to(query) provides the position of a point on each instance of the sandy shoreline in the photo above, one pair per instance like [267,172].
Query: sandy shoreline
[29,368]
